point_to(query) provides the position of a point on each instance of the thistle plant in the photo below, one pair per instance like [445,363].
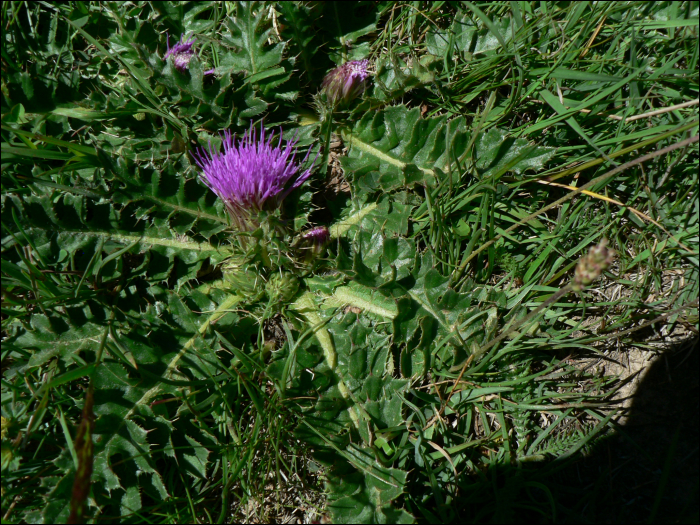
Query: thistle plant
[160,343]
[251,176]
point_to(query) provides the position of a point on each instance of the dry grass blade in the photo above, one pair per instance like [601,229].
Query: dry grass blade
[645,158]
[618,203]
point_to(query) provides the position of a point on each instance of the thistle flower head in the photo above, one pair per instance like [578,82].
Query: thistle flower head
[346,82]
[252,175]
[592,265]
[182,53]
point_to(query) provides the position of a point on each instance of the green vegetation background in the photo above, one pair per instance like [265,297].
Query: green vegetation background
[149,375]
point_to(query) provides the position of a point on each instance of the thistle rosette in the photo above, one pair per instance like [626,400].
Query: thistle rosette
[346,82]
[252,175]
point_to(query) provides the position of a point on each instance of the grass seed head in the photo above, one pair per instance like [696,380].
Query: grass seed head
[592,265]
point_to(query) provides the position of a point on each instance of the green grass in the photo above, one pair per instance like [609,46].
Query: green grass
[428,366]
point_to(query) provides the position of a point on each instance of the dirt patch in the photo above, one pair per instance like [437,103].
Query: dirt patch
[647,471]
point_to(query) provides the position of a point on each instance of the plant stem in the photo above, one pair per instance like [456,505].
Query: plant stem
[327,140]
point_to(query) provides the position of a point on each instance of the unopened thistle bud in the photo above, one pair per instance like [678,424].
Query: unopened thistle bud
[592,265]
[311,244]
[282,287]
[240,278]
[316,239]
[346,82]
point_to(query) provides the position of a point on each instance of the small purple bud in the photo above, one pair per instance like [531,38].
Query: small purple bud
[317,238]
[251,175]
[346,82]
[312,243]
[182,53]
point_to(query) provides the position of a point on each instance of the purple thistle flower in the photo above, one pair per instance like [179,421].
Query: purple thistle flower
[346,82]
[182,53]
[252,175]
